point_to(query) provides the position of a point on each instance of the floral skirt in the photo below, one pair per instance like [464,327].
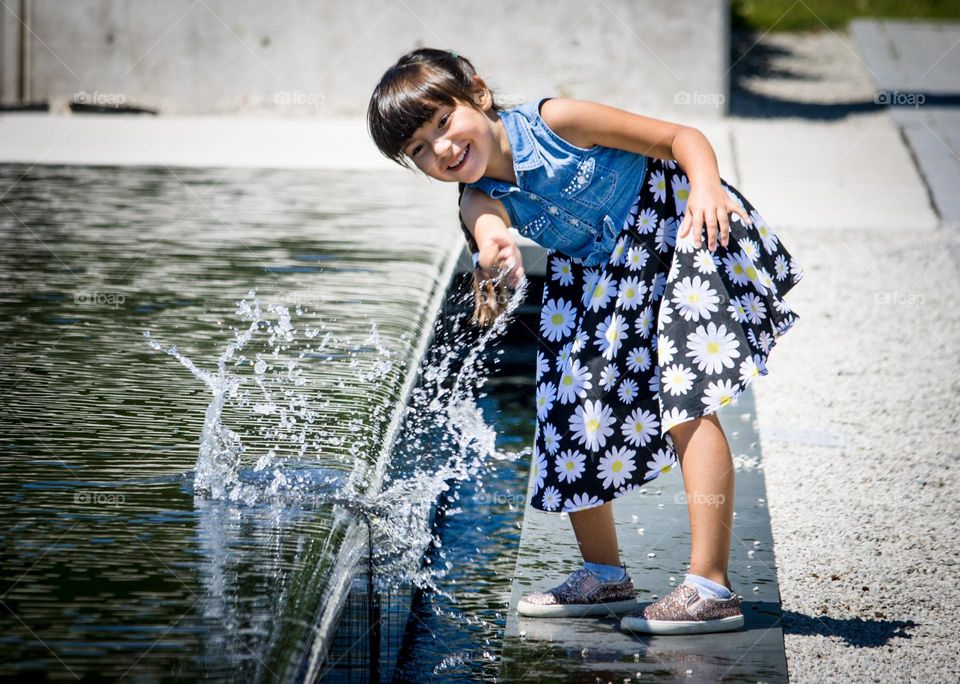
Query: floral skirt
[662,333]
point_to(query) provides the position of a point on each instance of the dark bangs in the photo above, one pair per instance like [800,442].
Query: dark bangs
[408,96]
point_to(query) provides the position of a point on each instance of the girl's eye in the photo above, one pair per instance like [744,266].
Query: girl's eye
[443,119]
[415,150]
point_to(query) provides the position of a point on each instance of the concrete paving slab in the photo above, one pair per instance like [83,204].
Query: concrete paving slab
[655,521]
[844,174]
[915,67]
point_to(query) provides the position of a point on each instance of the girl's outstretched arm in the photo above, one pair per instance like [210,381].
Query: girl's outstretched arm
[586,123]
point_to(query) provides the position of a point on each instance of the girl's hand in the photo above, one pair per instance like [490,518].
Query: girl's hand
[710,204]
[501,254]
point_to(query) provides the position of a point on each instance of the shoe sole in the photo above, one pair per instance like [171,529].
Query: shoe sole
[576,609]
[638,624]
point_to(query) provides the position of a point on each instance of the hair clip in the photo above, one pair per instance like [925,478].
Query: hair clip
[452,53]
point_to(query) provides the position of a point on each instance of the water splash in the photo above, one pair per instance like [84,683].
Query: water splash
[273,383]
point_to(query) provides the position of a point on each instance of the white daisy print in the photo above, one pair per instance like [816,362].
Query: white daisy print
[557,318]
[764,282]
[546,393]
[616,256]
[647,221]
[664,314]
[674,271]
[673,417]
[766,341]
[591,277]
[604,288]
[695,298]
[627,391]
[637,257]
[662,463]
[570,465]
[542,364]
[616,466]
[712,348]
[749,248]
[665,350]
[638,360]
[677,379]
[659,285]
[719,394]
[551,438]
[562,272]
[755,308]
[563,356]
[681,191]
[579,340]
[767,236]
[574,382]
[706,262]
[751,367]
[658,186]
[610,335]
[609,376]
[640,427]
[590,424]
[736,264]
[626,489]
[581,502]
[737,310]
[539,469]
[666,235]
[654,383]
[644,322]
[781,267]
[631,293]
[551,498]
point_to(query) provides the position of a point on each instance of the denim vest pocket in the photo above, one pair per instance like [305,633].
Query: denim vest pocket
[552,233]
[534,227]
[589,183]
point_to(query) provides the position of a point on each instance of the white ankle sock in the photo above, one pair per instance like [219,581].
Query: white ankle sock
[606,573]
[707,588]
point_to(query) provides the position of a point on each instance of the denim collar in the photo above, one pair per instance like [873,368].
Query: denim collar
[526,155]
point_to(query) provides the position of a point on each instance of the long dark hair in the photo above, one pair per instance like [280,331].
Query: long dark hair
[407,96]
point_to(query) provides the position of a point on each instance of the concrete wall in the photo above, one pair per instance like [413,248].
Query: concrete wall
[323,57]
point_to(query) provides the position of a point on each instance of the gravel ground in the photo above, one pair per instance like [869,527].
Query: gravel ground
[859,422]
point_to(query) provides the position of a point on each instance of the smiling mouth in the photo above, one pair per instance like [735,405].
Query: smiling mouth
[463,159]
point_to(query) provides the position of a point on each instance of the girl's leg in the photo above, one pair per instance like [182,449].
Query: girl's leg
[708,478]
[596,534]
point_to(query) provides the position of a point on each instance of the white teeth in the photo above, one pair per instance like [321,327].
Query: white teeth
[459,159]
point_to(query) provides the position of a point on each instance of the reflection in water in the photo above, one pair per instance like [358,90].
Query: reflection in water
[160,522]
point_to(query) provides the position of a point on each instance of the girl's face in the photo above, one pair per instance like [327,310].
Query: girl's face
[457,144]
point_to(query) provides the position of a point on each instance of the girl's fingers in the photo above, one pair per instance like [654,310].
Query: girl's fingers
[724,225]
[685,225]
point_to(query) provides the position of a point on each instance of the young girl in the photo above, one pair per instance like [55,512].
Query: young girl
[647,328]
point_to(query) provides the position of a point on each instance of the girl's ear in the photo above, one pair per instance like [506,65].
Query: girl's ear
[481,93]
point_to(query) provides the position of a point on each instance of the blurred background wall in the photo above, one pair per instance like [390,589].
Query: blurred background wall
[321,58]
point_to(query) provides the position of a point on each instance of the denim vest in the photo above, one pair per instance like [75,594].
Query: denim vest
[568,198]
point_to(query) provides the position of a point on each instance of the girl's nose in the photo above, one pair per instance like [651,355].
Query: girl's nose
[441,147]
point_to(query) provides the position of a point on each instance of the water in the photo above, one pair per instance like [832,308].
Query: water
[198,371]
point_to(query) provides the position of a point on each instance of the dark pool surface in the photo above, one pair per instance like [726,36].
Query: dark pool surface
[112,567]
[460,640]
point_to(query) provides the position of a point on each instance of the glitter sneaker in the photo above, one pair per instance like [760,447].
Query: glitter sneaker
[683,611]
[582,594]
